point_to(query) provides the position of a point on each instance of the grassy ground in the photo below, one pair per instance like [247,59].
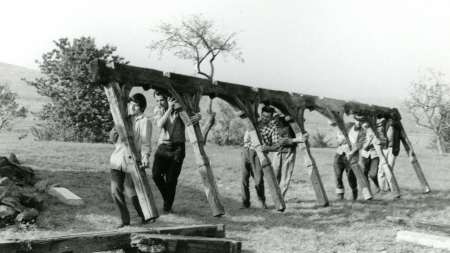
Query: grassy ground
[344,226]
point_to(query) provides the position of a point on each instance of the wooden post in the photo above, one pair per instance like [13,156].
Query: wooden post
[298,125]
[412,157]
[189,104]
[251,111]
[123,127]
[354,160]
[383,161]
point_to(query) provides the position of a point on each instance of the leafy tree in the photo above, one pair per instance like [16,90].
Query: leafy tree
[78,106]
[429,104]
[10,110]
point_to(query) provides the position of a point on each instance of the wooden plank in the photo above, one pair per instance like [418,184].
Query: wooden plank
[384,164]
[66,196]
[183,244]
[435,241]
[102,240]
[299,128]
[269,175]
[414,161]
[123,127]
[188,104]
[420,224]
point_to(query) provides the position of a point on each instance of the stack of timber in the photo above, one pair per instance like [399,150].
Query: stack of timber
[201,238]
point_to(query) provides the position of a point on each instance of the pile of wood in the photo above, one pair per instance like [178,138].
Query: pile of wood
[19,201]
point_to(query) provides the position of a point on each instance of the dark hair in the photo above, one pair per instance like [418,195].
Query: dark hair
[139,99]
[159,93]
[267,109]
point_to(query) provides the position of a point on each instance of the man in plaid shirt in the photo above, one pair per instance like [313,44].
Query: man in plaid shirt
[251,165]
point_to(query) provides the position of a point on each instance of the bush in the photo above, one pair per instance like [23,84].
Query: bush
[318,140]
[229,129]
[57,132]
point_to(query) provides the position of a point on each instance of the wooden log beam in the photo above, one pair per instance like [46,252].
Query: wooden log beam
[435,241]
[337,117]
[250,110]
[189,106]
[183,244]
[124,128]
[154,79]
[414,161]
[103,240]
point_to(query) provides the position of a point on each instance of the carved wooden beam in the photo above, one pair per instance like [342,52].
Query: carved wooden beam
[124,128]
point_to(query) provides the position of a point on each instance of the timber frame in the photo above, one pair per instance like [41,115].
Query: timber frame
[188,91]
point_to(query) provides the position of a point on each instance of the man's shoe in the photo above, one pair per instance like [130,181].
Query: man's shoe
[246,204]
[263,205]
[123,225]
[355,195]
[340,196]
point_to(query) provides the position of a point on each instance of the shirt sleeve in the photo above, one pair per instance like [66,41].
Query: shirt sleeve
[146,146]
[113,135]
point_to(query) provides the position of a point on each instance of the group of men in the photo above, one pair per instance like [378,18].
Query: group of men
[277,137]
[360,144]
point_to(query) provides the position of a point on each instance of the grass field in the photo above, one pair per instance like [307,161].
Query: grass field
[344,226]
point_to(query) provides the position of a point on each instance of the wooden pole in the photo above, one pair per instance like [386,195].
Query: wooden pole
[384,164]
[123,127]
[250,111]
[190,104]
[298,126]
[354,160]
[414,161]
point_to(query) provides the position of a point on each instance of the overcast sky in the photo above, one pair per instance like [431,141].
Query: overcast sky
[364,50]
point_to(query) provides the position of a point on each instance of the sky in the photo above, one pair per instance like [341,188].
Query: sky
[368,51]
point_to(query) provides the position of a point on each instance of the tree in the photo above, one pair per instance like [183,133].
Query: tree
[429,104]
[78,107]
[230,129]
[10,110]
[197,39]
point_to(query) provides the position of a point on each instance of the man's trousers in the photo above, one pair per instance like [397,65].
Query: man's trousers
[283,166]
[382,181]
[166,170]
[340,165]
[251,166]
[370,166]
[122,182]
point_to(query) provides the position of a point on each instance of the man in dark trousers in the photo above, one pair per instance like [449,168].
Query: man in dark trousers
[121,180]
[171,147]
[341,163]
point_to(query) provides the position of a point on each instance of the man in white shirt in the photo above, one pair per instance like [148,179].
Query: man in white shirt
[121,180]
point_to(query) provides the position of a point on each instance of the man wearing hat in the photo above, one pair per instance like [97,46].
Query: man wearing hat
[356,135]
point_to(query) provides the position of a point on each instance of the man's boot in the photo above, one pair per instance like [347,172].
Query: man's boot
[340,196]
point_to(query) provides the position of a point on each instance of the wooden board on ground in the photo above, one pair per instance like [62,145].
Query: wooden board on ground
[103,240]
[184,244]
[435,241]
[66,196]
[420,224]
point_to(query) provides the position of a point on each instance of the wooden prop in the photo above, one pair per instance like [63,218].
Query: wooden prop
[103,240]
[412,157]
[209,122]
[371,130]
[251,111]
[420,224]
[297,123]
[354,160]
[189,105]
[183,244]
[124,128]
[435,241]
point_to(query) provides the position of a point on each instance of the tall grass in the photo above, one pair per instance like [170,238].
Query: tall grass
[344,226]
